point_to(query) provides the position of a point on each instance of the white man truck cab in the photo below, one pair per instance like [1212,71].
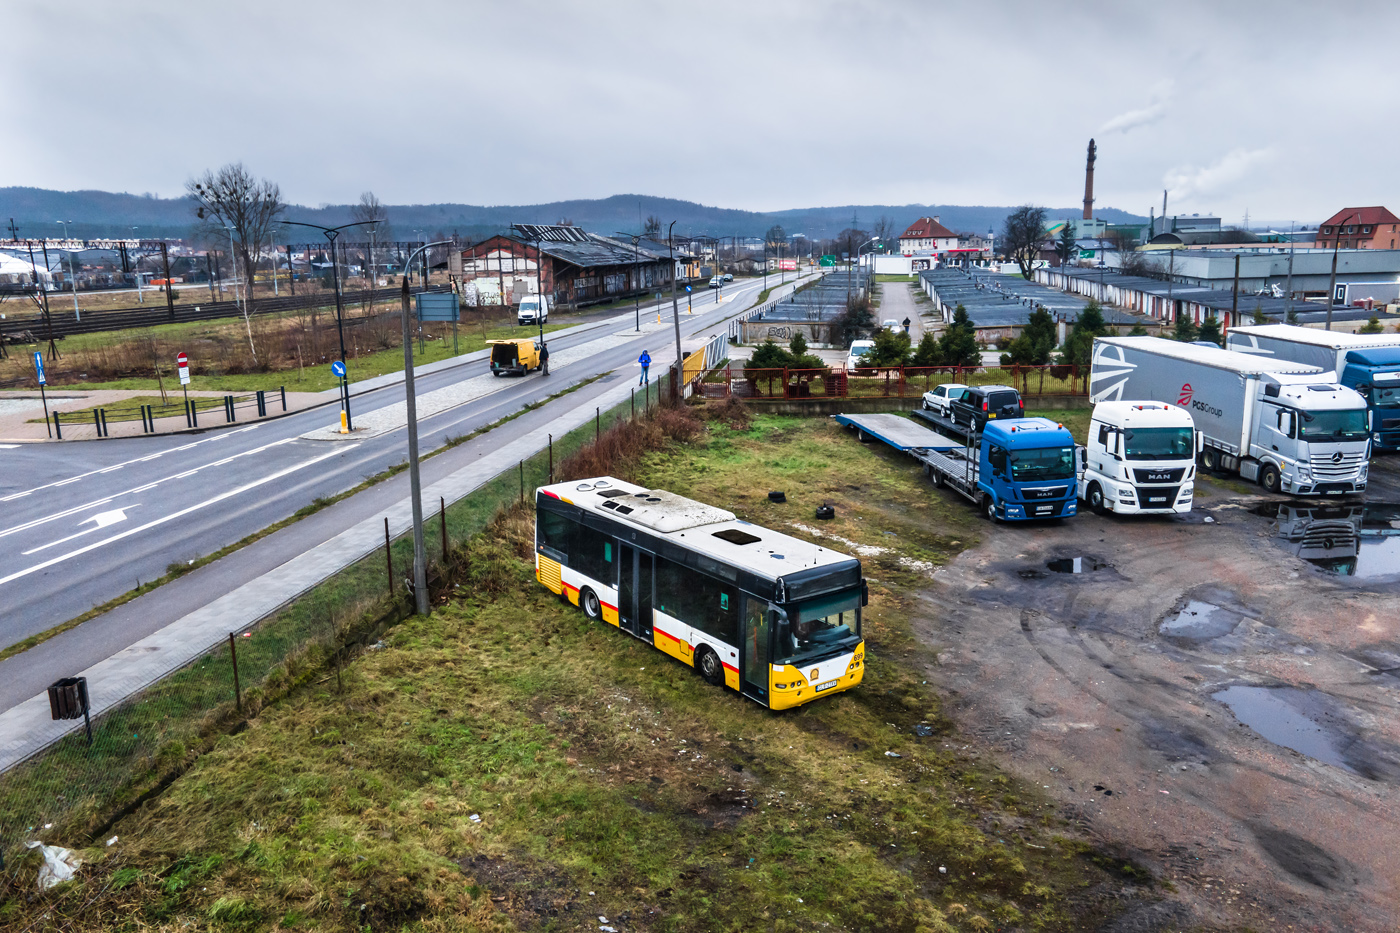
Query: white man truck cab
[1140,459]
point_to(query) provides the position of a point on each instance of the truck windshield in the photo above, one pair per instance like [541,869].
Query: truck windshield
[817,626]
[1385,398]
[1335,425]
[1159,443]
[1045,463]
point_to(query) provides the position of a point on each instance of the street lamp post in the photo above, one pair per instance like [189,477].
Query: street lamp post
[331,233]
[849,267]
[675,305]
[136,267]
[637,261]
[415,483]
[72,274]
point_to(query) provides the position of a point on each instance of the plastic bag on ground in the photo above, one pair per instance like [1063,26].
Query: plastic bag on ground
[60,865]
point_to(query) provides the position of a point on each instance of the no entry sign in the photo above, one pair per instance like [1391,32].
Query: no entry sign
[183,362]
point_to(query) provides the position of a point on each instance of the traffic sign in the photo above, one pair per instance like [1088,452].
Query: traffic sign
[438,306]
[687,288]
[338,368]
[182,363]
[39,367]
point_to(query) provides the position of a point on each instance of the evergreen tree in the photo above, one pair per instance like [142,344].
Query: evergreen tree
[797,346]
[1210,330]
[1184,329]
[1091,320]
[1372,326]
[891,349]
[959,341]
[1259,316]
[929,353]
[1138,331]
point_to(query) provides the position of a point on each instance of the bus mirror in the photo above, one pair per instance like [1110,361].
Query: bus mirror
[864,592]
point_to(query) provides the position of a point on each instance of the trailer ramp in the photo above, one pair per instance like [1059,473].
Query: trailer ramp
[899,432]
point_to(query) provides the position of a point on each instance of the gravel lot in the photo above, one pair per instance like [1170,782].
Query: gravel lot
[1160,693]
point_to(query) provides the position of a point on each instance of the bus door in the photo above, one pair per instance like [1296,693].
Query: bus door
[634,593]
[754,658]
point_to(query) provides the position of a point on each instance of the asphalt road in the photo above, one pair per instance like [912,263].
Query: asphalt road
[83,522]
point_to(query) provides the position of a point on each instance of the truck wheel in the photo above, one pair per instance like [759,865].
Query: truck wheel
[1269,478]
[1096,498]
[989,509]
[935,477]
[860,436]
[1210,459]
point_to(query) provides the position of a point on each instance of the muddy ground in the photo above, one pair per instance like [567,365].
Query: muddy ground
[1160,693]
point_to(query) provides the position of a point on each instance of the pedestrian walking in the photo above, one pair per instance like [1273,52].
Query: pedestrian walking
[907,322]
[645,361]
[544,359]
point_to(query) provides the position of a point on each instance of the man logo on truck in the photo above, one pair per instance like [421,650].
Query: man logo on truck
[1185,395]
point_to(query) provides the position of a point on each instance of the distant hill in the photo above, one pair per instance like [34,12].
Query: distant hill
[109,214]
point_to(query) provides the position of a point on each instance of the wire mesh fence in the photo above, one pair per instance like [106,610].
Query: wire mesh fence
[74,788]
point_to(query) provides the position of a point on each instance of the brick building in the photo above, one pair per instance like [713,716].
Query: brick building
[1360,228]
[927,234]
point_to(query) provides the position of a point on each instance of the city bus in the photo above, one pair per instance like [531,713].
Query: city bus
[770,616]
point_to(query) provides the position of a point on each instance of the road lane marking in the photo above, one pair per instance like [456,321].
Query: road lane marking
[44,565]
[66,512]
[101,520]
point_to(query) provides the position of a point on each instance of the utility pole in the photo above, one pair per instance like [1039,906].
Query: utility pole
[675,305]
[420,566]
[165,260]
[1332,282]
[1288,299]
[1235,295]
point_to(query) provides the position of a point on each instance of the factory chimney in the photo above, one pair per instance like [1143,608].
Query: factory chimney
[1089,182]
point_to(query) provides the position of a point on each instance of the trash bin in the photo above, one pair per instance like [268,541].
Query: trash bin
[68,698]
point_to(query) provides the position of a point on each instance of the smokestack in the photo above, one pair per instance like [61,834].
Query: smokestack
[1089,182]
[1164,210]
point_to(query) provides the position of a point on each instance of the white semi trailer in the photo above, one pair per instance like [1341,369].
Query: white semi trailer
[1288,426]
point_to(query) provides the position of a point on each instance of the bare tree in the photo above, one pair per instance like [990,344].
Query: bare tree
[1022,235]
[247,207]
[370,210]
[884,229]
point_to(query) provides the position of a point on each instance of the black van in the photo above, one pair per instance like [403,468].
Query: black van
[978,404]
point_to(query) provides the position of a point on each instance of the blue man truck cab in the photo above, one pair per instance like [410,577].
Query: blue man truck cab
[1015,470]
[1375,373]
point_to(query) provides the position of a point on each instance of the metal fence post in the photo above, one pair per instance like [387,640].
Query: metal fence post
[228,407]
[442,506]
[551,459]
[597,424]
[284,398]
[388,556]
[233,659]
[262,404]
[522,482]
[57,431]
[97,421]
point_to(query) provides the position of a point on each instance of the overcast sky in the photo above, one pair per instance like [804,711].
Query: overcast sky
[1287,110]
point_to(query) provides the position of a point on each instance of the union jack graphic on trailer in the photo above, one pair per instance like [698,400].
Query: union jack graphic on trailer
[1109,364]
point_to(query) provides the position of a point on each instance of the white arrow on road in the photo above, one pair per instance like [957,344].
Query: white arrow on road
[100,520]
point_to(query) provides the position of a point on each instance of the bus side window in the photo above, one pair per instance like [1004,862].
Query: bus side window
[592,554]
[556,532]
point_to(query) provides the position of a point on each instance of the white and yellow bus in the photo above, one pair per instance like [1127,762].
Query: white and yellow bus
[771,616]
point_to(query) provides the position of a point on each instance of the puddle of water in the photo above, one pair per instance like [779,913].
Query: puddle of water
[1348,539]
[1269,712]
[923,731]
[1075,565]
[1200,621]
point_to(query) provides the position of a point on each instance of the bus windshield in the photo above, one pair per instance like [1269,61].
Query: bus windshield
[1159,443]
[816,626]
[1335,425]
[1044,463]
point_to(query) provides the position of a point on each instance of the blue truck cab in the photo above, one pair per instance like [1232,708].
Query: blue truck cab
[1375,373]
[1027,469]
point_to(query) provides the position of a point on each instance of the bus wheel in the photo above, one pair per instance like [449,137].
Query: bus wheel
[591,607]
[707,663]
[1269,478]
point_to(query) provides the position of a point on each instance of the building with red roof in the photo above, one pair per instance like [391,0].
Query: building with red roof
[1360,228]
[926,234]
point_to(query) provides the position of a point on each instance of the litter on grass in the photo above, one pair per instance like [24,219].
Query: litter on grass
[60,865]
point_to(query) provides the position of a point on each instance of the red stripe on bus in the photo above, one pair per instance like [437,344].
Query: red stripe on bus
[548,493]
[730,667]
[669,635]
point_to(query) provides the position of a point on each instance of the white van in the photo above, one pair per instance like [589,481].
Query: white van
[530,310]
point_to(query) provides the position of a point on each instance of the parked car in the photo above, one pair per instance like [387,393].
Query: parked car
[716,281]
[890,324]
[858,349]
[729,276]
[942,396]
[979,404]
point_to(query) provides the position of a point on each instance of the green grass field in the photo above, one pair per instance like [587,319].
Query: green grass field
[506,764]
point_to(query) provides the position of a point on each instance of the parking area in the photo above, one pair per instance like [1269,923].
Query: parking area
[1215,694]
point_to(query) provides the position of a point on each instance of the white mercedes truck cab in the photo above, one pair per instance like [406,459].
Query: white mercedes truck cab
[1140,459]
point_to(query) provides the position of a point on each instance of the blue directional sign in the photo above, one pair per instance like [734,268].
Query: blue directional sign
[687,288]
[338,368]
[438,306]
[39,367]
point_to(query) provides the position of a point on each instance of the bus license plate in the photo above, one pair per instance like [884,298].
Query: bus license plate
[826,686]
